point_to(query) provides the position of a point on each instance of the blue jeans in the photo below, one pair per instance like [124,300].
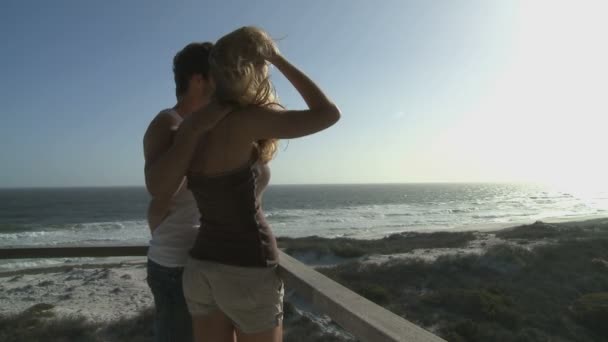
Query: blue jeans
[172,321]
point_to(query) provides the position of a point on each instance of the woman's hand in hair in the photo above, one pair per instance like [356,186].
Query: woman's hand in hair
[272,51]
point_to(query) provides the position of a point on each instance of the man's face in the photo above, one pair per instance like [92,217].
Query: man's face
[200,87]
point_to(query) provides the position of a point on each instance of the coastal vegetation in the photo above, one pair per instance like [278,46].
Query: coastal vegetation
[540,282]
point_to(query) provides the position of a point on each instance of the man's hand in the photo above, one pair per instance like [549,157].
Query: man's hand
[204,119]
[168,160]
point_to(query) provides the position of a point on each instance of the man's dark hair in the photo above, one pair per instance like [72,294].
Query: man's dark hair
[191,60]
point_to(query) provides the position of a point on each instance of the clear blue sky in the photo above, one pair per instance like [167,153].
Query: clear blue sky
[423,85]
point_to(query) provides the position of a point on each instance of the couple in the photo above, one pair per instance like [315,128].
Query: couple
[207,163]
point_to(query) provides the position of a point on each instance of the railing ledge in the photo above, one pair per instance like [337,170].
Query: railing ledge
[364,319]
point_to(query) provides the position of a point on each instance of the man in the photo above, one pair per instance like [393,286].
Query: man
[169,143]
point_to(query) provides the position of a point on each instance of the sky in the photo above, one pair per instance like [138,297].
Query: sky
[430,91]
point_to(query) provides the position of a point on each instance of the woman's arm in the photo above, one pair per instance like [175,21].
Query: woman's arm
[313,96]
[267,123]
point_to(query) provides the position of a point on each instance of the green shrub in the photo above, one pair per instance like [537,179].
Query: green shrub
[39,323]
[347,250]
[374,292]
[592,311]
[506,294]
[353,248]
[478,304]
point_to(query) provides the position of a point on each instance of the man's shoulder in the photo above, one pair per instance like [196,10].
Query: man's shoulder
[164,122]
[166,118]
[169,113]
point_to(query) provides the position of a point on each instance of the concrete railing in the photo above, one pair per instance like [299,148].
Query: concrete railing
[364,319]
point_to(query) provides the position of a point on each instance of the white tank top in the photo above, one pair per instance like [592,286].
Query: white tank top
[172,239]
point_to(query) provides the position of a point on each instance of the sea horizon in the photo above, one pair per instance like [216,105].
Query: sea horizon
[93,214]
[292,184]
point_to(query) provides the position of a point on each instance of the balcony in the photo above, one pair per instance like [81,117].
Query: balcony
[362,318]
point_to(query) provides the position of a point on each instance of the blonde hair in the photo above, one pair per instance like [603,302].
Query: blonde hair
[239,67]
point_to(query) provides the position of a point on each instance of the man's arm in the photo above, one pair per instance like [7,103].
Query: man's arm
[168,153]
[167,157]
[158,210]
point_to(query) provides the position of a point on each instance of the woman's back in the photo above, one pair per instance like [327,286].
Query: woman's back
[226,147]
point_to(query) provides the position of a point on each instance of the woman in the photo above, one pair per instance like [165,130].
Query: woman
[231,283]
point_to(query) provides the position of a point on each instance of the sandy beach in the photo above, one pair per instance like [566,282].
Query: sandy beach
[99,292]
[108,292]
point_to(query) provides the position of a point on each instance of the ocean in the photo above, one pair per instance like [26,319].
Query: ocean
[105,216]
[90,216]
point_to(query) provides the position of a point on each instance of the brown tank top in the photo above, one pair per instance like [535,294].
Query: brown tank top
[233,228]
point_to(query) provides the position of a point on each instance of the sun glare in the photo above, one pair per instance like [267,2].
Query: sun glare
[545,119]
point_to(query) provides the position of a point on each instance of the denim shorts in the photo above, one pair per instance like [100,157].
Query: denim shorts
[251,297]
[172,321]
